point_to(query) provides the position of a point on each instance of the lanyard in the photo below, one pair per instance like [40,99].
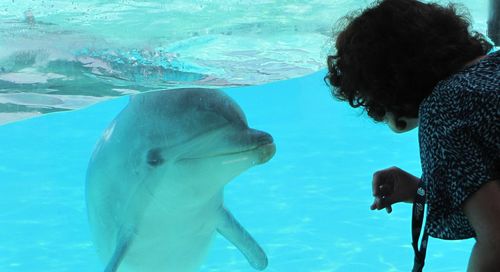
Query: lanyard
[416,227]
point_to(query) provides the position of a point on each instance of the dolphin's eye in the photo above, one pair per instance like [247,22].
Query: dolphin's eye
[154,157]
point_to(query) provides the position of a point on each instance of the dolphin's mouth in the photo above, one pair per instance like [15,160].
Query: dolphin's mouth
[266,152]
[262,145]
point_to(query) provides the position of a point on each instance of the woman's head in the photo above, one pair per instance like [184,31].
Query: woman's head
[390,57]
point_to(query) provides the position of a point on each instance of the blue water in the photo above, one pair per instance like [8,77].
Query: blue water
[60,55]
[308,207]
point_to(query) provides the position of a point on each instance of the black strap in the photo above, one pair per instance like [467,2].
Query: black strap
[416,228]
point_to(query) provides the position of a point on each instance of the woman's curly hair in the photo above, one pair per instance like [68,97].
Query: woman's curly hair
[390,57]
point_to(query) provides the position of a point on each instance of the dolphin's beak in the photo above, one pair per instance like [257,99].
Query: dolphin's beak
[260,143]
[264,145]
[266,153]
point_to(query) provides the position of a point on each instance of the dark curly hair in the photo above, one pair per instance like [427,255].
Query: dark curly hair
[390,57]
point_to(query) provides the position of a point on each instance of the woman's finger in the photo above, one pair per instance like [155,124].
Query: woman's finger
[376,183]
[388,209]
[381,185]
[380,203]
[385,190]
[377,204]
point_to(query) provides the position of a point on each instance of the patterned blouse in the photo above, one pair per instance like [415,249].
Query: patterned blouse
[459,135]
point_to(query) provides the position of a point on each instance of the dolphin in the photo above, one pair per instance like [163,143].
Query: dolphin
[154,187]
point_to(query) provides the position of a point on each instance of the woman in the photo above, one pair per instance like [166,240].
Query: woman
[410,63]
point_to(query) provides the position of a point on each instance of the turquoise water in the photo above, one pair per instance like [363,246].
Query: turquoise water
[60,55]
[70,54]
[308,207]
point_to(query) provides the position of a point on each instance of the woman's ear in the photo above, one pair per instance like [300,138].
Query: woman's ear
[401,124]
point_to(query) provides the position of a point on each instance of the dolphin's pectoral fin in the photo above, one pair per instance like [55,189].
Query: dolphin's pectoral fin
[122,245]
[238,236]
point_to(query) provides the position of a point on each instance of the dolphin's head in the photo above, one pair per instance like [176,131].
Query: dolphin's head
[201,135]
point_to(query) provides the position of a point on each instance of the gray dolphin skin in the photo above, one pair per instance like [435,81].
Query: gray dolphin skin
[155,181]
[494,22]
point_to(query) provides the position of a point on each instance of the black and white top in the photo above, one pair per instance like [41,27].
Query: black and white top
[459,135]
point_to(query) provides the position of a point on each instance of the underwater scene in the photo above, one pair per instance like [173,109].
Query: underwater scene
[293,168]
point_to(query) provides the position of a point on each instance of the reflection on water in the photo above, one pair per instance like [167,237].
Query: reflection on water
[71,53]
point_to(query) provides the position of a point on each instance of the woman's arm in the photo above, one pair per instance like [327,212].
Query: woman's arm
[483,211]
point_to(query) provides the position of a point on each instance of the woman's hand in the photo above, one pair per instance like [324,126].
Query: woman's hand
[393,185]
